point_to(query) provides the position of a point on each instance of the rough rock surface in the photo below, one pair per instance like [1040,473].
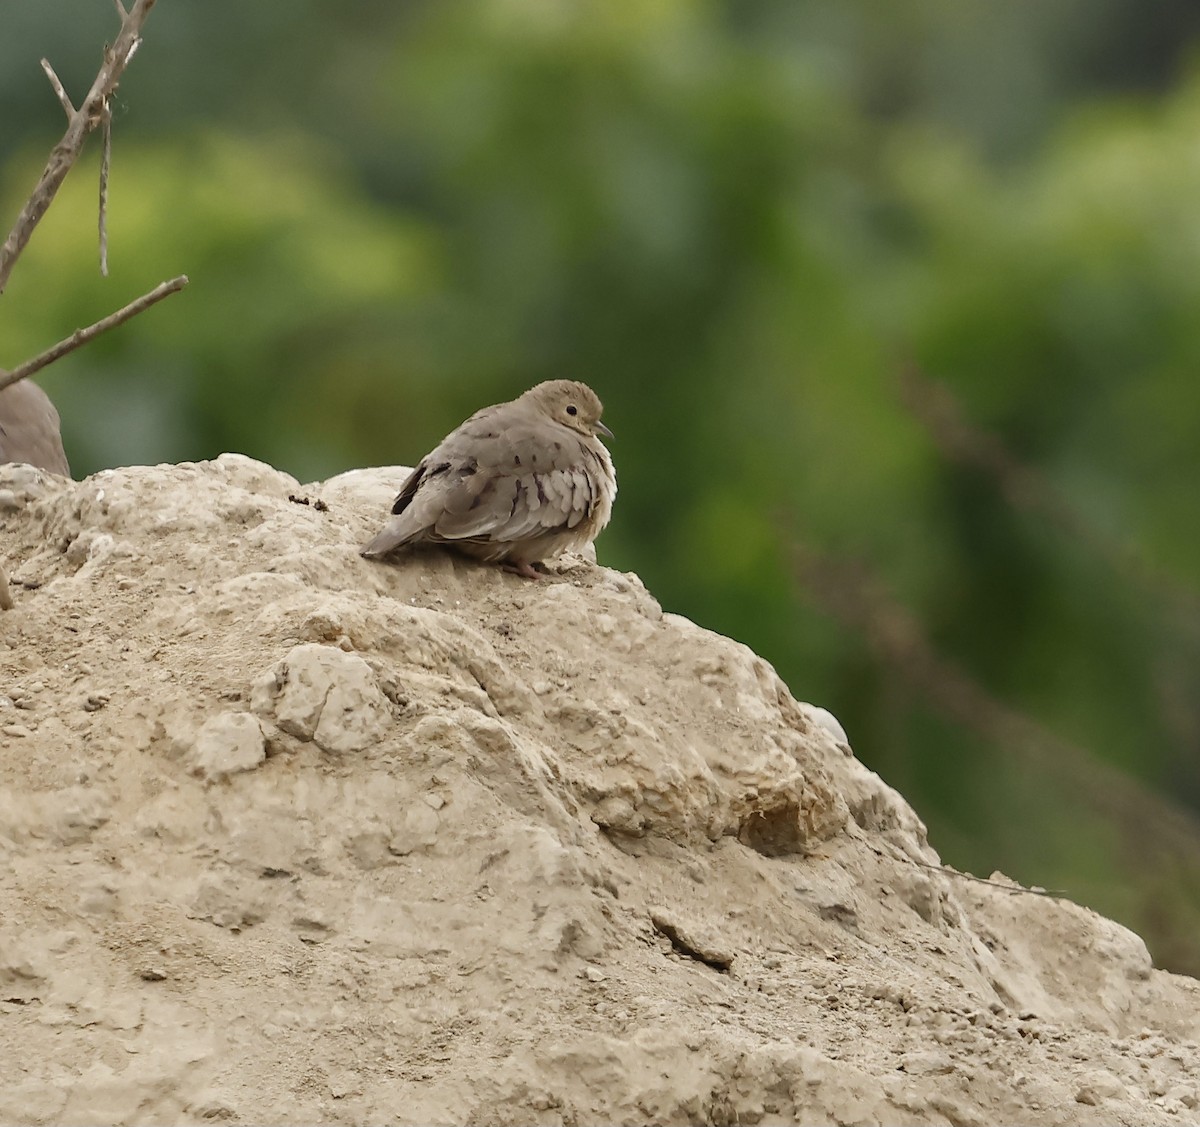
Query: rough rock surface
[291,836]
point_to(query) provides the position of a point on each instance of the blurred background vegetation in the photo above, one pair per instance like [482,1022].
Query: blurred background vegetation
[895,311]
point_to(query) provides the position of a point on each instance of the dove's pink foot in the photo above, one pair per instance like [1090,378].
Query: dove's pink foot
[523,567]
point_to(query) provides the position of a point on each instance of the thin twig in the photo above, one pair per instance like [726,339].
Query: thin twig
[889,849]
[63,97]
[1015,889]
[89,115]
[105,160]
[82,336]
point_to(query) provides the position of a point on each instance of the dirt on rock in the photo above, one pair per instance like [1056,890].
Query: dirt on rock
[292,836]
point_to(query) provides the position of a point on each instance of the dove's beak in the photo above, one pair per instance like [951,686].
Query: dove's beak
[604,430]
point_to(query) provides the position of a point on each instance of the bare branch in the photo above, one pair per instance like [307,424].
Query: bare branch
[63,98]
[849,592]
[89,115]
[82,336]
[946,421]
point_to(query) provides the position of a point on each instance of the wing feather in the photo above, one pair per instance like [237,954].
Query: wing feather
[513,507]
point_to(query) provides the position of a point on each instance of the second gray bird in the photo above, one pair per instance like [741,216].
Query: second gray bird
[29,428]
[517,483]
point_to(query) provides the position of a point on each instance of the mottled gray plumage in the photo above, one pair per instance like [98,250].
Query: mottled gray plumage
[516,483]
[29,428]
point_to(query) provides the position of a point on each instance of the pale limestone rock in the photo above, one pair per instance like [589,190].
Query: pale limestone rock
[322,694]
[227,743]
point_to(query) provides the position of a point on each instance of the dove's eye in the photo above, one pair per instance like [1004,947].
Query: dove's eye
[572,410]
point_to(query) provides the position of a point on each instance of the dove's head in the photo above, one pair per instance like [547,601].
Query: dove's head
[571,403]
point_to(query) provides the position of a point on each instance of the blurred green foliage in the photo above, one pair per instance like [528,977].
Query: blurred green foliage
[739,223]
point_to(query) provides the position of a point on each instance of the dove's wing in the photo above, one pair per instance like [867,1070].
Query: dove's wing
[519,481]
[29,429]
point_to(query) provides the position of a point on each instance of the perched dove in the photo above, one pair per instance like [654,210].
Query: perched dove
[29,428]
[516,483]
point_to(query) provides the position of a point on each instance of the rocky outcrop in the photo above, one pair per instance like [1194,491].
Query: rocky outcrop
[288,835]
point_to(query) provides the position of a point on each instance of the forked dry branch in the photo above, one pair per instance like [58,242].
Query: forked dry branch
[93,112]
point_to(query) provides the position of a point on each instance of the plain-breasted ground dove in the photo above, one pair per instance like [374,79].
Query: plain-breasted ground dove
[29,433]
[29,428]
[516,483]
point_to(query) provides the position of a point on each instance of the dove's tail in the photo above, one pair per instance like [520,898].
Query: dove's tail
[389,539]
